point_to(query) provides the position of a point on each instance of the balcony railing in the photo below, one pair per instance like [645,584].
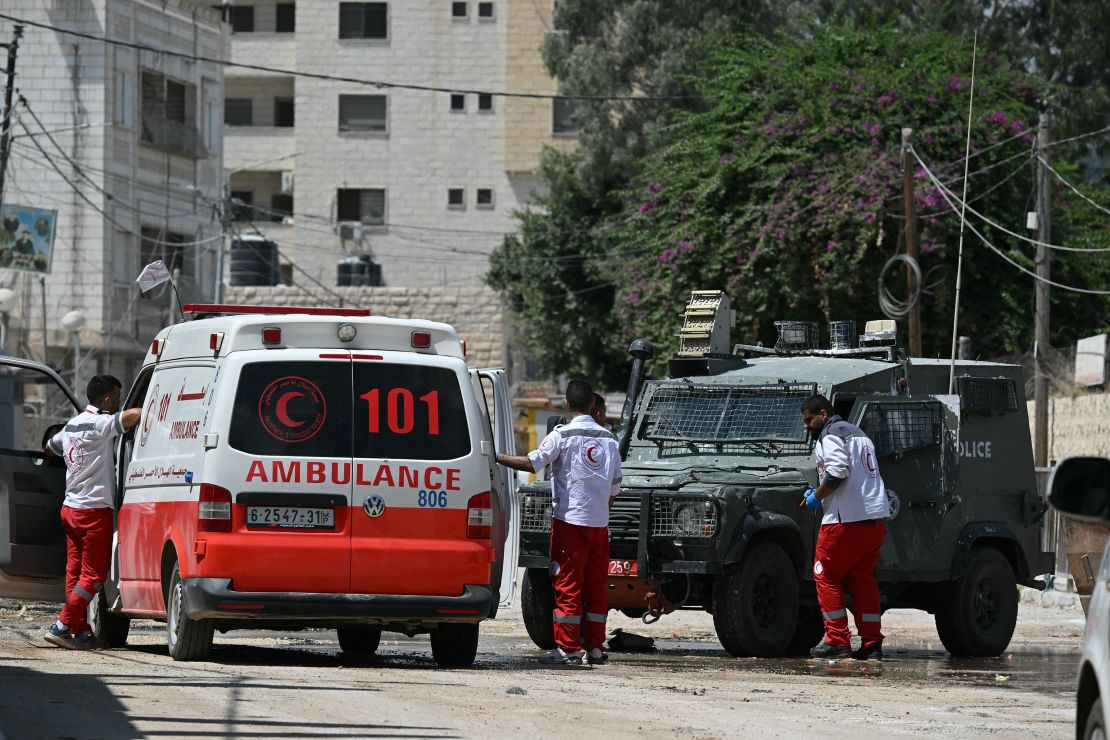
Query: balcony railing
[171,136]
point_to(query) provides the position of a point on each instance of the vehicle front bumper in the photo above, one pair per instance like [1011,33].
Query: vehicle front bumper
[214,598]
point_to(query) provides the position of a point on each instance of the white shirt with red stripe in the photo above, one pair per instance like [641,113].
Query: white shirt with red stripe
[586,470]
[87,444]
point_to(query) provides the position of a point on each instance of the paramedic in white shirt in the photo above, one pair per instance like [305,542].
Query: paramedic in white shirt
[586,474]
[852,495]
[87,444]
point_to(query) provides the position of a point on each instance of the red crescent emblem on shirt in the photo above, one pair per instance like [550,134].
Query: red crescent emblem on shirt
[593,455]
[869,461]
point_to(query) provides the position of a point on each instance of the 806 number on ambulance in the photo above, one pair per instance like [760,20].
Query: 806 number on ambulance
[309,468]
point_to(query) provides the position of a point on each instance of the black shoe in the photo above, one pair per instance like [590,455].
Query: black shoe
[825,650]
[871,652]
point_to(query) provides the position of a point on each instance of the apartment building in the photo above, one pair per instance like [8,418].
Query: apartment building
[133,166]
[422,182]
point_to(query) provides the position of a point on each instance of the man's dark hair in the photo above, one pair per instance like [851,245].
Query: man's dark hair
[599,402]
[817,404]
[580,396]
[100,386]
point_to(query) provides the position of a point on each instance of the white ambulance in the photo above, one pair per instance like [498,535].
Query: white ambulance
[299,467]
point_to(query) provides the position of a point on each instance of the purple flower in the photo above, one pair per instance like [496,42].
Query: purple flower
[648,207]
[634,298]
[870,218]
[885,100]
[830,246]
[954,83]
[1018,126]
[667,255]
[997,117]
[685,246]
[928,247]
[655,188]
[875,130]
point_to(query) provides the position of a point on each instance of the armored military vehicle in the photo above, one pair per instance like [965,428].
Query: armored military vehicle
[716,460]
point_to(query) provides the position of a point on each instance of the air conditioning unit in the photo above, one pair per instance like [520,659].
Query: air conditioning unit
[350,231]
[287,182]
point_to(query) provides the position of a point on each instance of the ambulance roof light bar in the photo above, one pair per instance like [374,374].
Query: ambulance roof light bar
[204,310]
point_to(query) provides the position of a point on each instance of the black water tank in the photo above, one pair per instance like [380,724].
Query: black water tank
[360,271]
[254,261]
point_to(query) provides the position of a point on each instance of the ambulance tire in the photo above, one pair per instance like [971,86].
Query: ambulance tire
[359,640]
[977,616]
[455,645]
[110,629]
[755,605]
[188,639]
[537,602]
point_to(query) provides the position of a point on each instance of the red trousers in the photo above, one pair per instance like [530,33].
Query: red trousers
[88,556]
[579,571]
[849,552]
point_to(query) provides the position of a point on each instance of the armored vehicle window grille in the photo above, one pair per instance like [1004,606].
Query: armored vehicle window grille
[717,415]
[535,511]
[987,395]
[901,427]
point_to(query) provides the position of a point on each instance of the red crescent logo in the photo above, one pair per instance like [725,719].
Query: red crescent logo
[281,409]
[869,461]
[590,453]
[593,456]
[273,409]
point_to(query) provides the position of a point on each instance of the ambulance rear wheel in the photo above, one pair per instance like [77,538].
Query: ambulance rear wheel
[537,602]
[455,645]
[976,619]
[188,639]
[359,640]
[755,605]
[108,628]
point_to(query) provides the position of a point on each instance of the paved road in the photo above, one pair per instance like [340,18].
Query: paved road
[262,684]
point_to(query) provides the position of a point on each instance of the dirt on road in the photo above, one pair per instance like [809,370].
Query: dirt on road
[298,684]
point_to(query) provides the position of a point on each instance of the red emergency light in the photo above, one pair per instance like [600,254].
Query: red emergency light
[210,309]
[271,335]
[421,340]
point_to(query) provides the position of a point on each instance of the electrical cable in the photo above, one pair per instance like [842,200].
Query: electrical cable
[1060,177]
[379,84]
[1022,237]
[1002,254]
[892,307]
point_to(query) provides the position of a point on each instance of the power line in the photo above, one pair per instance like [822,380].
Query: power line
[1058,142]
[999,252]
[379,84]
[1014,234]
[1075,190]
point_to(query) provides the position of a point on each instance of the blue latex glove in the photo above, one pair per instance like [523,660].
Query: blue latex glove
[812,502]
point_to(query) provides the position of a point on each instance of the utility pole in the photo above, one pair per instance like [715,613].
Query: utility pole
[1041,320]
[913,320]
[9,89]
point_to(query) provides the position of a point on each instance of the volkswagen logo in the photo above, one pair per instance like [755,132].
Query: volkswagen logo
[374,506]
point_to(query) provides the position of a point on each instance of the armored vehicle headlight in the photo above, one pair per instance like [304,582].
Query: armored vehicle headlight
[688,519]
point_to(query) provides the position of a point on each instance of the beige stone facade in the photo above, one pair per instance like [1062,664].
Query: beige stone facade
[474,312]
[1077,425]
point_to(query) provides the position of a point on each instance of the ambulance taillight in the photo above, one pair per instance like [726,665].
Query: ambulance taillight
[421,340]
[271,336]
[214,513]
[479,516]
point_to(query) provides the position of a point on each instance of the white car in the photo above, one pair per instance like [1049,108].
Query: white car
[1080,488]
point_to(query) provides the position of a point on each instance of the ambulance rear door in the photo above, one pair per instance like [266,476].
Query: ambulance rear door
[32,488]
[496,382]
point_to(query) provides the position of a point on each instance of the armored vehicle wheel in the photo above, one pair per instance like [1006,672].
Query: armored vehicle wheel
[455,645]
[108,628]
[188,639]
[755,606]
[807,632]
[537,601]
[977,616]
[359,640]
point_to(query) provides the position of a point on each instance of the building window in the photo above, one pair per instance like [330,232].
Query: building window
[238,112]
[365,206]
[241,205]
[283,112]
[485,102]
[168,116]
[157,244]
[363,113]
[562,116]
[124,108]
[363,20]
[460,10]
[485,10]
[241,18]
[281,207]
[483,198]
[456,198]
[458,102]
[286,18]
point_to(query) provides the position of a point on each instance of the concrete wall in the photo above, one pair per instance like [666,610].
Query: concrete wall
[1077,425]
[474,312]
